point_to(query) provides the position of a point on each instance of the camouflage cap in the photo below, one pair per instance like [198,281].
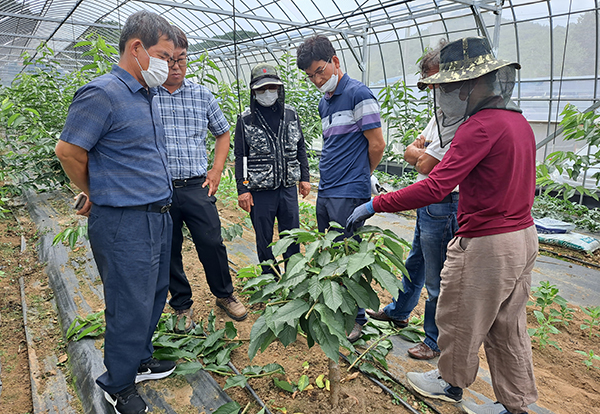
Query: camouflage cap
[464,59]
[264,74]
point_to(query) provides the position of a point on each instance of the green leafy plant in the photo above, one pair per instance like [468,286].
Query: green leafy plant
[565,210]
[546,294]
[541,334]
[71,235]
[33,112]
[578,126]
[594,319]
[565,314]
[320,291]
[231,232]
[308,220]
[591,357]
[406,116]
[91,325]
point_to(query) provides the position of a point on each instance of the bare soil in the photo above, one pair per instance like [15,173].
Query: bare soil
[565,384]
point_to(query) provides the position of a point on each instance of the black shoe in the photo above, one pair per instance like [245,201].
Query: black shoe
[127,401]
[154,369]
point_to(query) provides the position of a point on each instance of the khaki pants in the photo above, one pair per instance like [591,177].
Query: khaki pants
[485,286]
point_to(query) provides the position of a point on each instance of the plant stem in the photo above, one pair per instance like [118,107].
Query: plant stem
[276,270]
[381,338]
[310,310]
[334,378]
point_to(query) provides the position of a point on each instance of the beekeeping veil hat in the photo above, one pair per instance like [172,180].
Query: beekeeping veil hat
[465,59]
[486,82]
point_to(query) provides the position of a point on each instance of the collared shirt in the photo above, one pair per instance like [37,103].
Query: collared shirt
[344,167]
[188,114]
[116,120]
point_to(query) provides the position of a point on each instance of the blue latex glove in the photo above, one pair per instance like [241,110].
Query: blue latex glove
[359,215]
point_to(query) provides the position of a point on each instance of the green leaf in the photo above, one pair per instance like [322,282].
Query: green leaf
[230,330]
[282,245]
[296,265]
[315,287]
[273,369]
[288,334]
[186,368]
[229,408]
[386,279]
[252,370]
[214,337]
[332,294]
[284,385]
[303,382]
[260,337]
[236,381]
[358,293]
[311,249]
[329,343]
[359,261]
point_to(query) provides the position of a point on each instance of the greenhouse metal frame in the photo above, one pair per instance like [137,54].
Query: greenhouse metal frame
[378,41]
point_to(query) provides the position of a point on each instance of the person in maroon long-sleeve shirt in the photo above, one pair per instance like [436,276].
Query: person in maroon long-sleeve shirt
[486,279]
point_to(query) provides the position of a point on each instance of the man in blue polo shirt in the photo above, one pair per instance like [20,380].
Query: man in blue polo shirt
[352,139]
[189,111]
[113,148]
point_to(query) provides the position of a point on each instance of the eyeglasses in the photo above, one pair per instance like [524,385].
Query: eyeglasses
[180,62]
[318,72]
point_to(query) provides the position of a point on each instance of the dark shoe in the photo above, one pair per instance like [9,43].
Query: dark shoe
[382,316]
[431,384]
[356,333]
[127,401]
[184,320]
[154,369]
[233,308]
[422,351]
[490,408]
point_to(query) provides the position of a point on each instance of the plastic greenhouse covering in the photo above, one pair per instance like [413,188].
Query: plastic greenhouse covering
[378,41]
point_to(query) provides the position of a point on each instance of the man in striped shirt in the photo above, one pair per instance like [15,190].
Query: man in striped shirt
[353,142]
[188,111]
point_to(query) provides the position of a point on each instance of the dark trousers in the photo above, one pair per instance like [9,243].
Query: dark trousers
[192,206]
[131,249]
[338,210]
[268,204]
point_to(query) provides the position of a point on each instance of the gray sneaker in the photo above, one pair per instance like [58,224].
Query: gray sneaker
[184,320]
[489,408]
[430,384]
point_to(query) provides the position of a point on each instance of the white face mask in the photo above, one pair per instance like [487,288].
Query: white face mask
[267,97]
[157,73]
[331,83]
[451,104]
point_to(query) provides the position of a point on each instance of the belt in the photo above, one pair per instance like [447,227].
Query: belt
[153,207]
[450,198]
[189,181]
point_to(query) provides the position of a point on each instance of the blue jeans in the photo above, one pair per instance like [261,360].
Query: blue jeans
[436,225]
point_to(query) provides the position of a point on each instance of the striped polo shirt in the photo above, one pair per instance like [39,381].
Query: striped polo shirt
[345,114]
